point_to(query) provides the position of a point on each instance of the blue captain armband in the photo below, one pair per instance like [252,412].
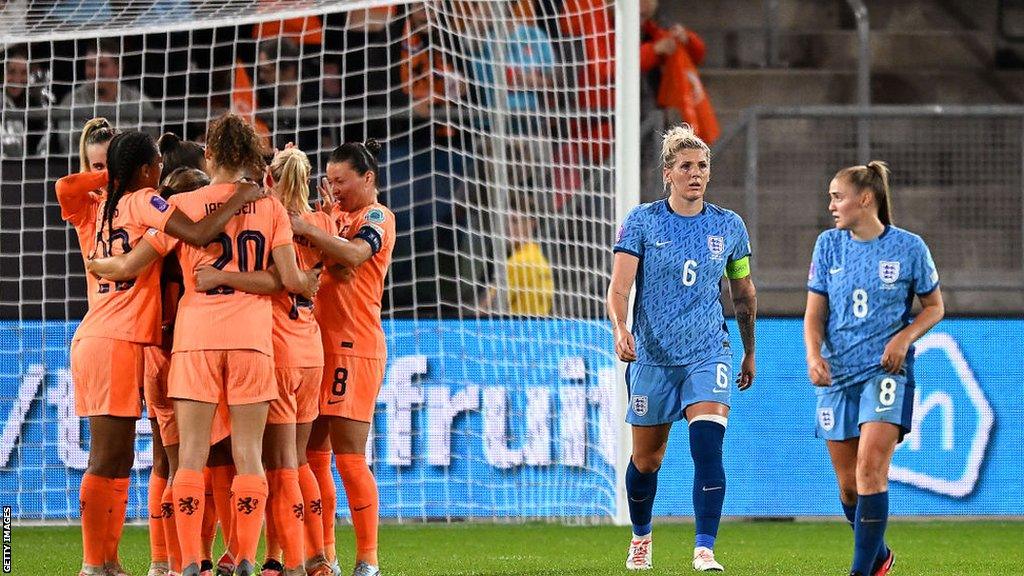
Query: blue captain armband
[373,235]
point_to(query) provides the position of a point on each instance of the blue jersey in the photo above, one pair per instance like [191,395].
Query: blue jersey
[870,288]
[677,314]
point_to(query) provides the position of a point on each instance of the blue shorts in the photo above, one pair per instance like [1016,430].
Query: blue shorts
[660,394]
[881,397]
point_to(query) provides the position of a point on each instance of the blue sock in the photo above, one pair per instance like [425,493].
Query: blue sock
[851,514]
[640,491]
[706,439]
[869,530]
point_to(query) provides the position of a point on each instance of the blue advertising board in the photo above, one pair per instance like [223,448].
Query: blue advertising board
[518,418]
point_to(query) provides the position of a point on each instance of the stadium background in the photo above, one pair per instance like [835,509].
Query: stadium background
[537,433]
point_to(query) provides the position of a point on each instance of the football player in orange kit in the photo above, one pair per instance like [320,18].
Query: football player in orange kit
[348,309]
[124,317]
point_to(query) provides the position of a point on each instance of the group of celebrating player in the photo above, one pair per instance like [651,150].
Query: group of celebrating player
[858,332]
[204,267]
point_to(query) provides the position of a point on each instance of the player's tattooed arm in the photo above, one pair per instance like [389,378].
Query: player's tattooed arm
[744,301]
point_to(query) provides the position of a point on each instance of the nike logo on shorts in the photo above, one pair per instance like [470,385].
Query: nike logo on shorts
[706,489]
[880,409]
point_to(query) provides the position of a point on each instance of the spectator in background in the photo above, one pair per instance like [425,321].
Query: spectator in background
[593,20]
[103,84]
[279,93]
[20,135]
[519,58]
[528,277]
[427,77]
[669,58]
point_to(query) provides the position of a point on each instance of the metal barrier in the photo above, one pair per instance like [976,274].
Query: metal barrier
[958,180]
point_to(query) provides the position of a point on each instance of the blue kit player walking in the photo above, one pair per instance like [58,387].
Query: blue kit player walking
[677,250]
[863,278]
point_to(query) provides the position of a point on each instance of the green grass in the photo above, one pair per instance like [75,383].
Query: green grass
[922,548]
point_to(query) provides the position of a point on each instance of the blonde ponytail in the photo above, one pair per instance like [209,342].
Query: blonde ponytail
[290,170]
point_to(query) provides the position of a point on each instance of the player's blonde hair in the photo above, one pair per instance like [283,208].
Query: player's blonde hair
[290,170]
[679,138]
[95,131]
[874,177]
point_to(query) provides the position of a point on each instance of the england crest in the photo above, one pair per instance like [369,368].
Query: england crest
[889,272]
[640,405]
[716,244]
[826,419]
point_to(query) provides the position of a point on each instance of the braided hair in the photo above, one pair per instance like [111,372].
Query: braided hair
[128,152]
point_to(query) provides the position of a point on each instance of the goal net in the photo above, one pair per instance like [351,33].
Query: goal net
[497,124]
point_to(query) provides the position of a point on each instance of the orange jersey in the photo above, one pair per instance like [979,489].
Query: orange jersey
[127,310]
[226,319]
[296,333]
[349,310]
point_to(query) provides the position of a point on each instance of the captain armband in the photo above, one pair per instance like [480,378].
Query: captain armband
[736,269]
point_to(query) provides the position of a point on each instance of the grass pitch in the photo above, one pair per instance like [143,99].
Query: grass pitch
[922,549]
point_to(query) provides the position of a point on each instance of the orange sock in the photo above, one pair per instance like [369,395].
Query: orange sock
[94,503]
[249,496]
[157,540]
[209,516]
[170,529]
[361,491]
[115,522]
[285,513]
[312,512]
[220,478]
[189,498]
[320,464]
[273,545]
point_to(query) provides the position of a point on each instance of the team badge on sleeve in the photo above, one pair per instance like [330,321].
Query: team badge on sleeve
[375,215]
[159,203]
[639,405]
[826,419]
[716,244]
[889,272]
[810,273]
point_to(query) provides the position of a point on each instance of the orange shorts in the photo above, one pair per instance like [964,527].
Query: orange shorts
[298,396]
[108,376]
[161,407]
[350,386]
[158,405]
[234,377]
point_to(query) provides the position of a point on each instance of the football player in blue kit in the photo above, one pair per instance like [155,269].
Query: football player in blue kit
[863,278]
[677,250]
